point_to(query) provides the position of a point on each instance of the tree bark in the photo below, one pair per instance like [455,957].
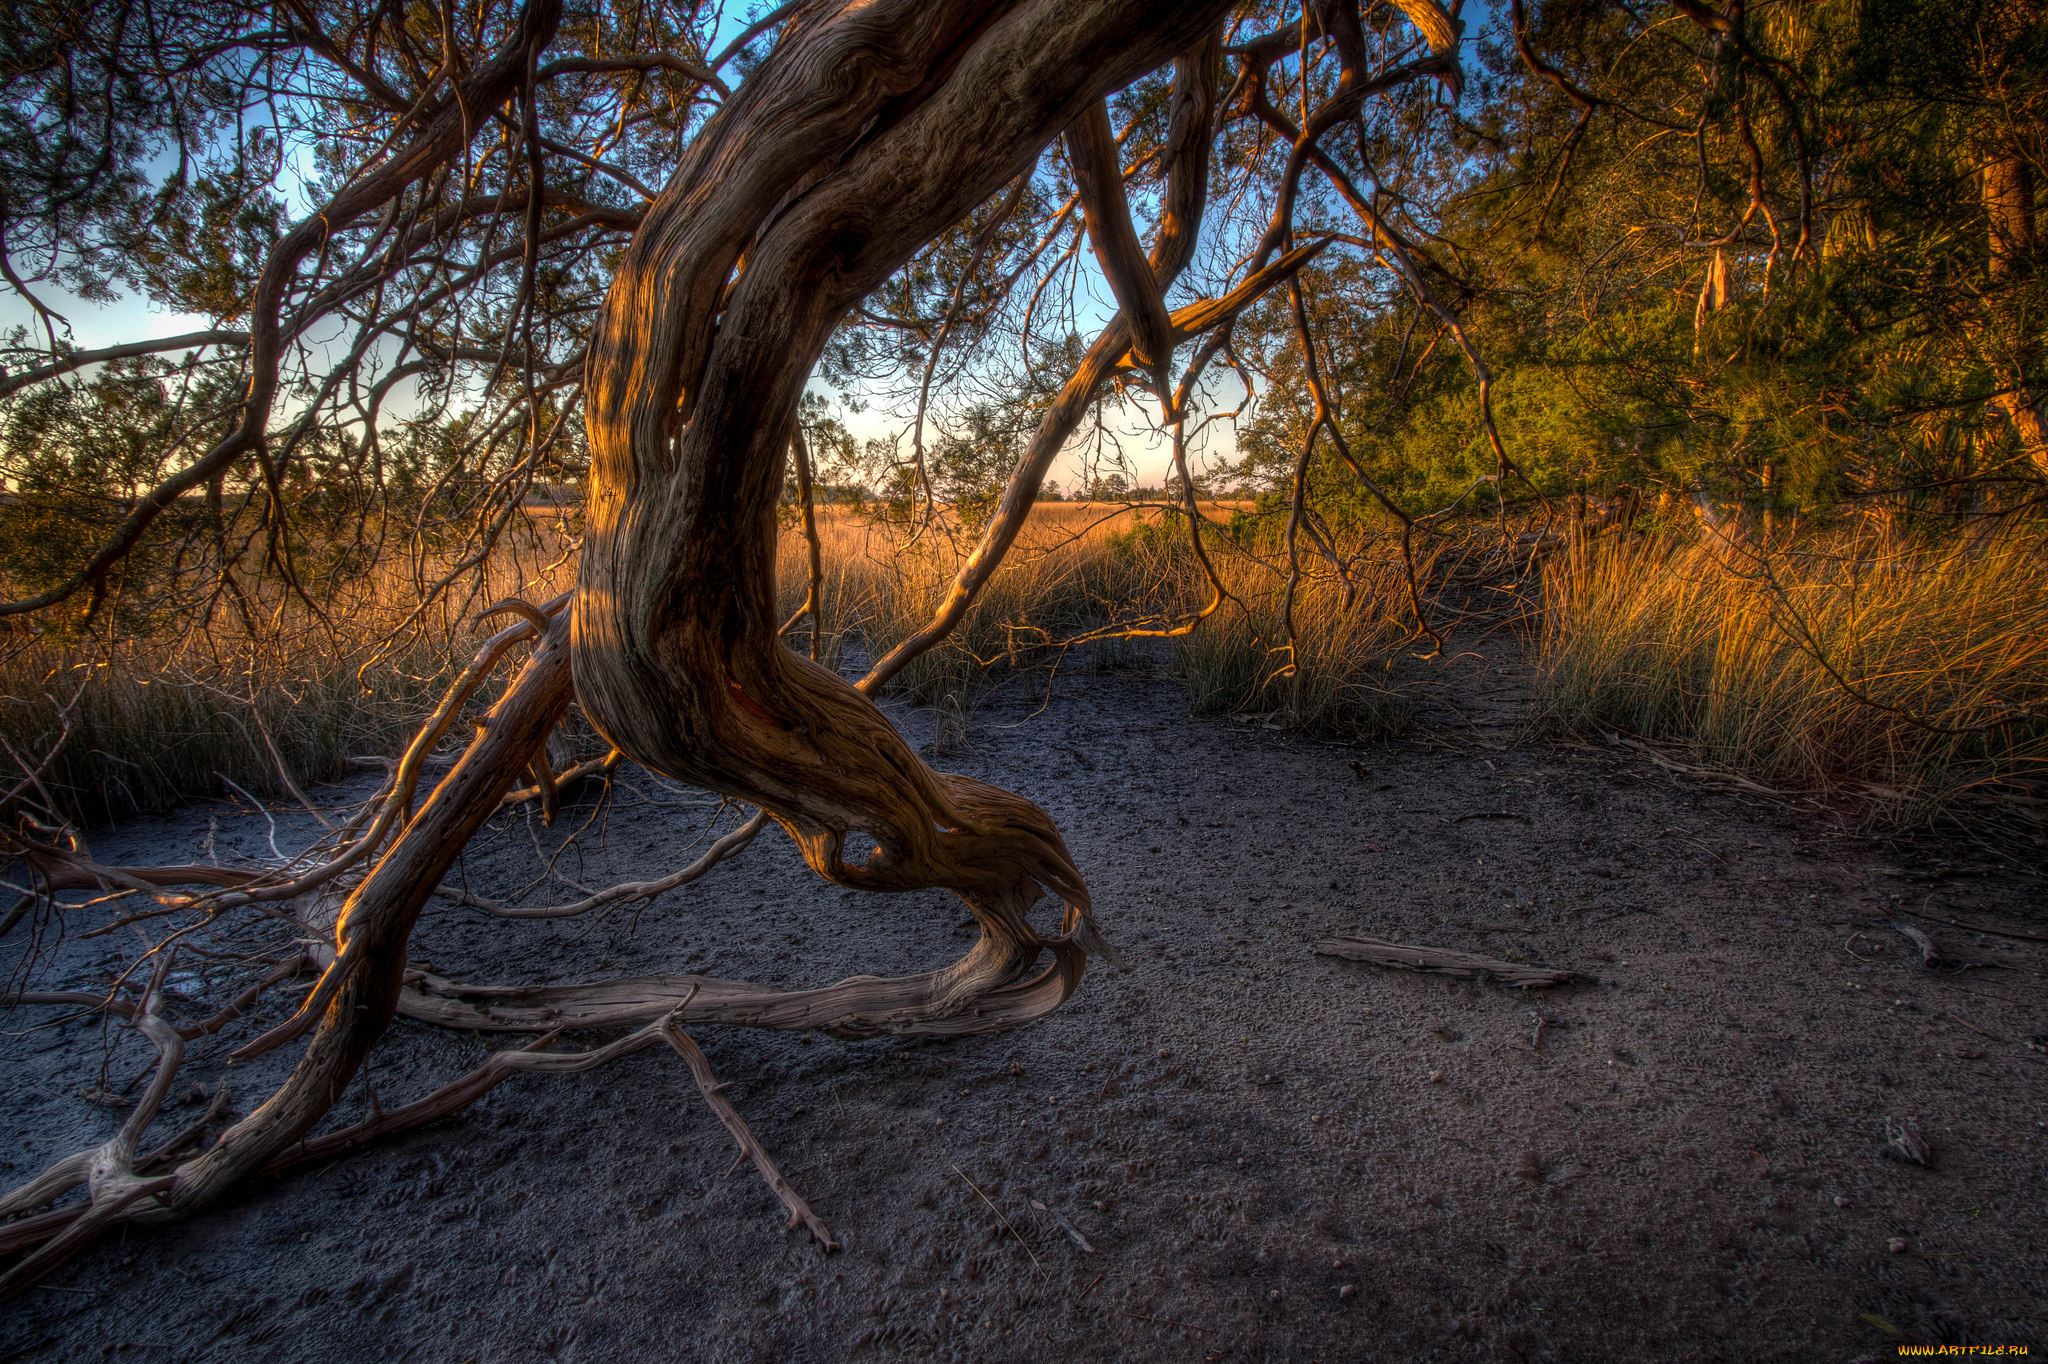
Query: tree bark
[375,924]
[2009,213]
[1099,178]
[865,134]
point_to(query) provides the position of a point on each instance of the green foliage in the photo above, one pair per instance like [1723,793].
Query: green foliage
[1832,177]
[971,463]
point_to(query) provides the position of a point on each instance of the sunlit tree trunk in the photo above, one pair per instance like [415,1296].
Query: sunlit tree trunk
[866,134]
[2009,214]
[869,131]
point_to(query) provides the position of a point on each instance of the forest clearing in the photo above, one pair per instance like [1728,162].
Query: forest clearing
[1019,679]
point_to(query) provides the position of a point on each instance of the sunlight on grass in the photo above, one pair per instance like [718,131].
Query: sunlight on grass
[165,718]
[1080,569]
[1909,675]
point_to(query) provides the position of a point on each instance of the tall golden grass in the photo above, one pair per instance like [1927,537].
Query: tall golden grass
[1086,571]
[157,719]
[883,582]
[1335,677]
[1908,675]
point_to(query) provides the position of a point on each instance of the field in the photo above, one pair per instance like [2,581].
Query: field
[1900,681]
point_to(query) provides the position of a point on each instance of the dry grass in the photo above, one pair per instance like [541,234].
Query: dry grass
[1336,678]
[1082,570]
[1074,566]
[1912,676]
[163,719]
[160,720]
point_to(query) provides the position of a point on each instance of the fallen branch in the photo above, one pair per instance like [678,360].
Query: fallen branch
[1981,1032]
[457,1095]
[1444,962]
[63,871]
[121,1008]
[700,1070]
[108,1172]
[26,1232]
[590,767]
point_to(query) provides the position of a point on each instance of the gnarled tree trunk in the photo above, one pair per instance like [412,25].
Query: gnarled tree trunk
[865,135]
[868,131]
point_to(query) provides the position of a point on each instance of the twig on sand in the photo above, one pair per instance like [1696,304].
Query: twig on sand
[1933,958]
[1981,1032]
[1000,1218]
[1073,1232]
[1686,769]
[1975,928]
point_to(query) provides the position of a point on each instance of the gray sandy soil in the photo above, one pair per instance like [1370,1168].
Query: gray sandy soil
[1271,1154]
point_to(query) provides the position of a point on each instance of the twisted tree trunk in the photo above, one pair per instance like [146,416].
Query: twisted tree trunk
[864,136]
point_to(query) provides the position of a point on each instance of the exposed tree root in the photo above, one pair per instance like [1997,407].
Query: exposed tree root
[121,1008]
[109,1171]
[865,1006]
[459,1094]
[366,981]
[725,847]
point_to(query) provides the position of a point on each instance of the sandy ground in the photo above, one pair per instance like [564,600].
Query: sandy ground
[1269,1154]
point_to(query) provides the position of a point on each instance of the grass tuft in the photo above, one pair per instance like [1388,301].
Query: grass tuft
[165,718]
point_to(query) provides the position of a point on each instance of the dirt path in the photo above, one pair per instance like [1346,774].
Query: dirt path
[1272,1155]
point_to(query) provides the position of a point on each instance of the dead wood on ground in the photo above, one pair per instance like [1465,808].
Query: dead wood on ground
[1443,961]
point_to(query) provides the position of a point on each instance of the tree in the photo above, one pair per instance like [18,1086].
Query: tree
[475,174]
[1774,254]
